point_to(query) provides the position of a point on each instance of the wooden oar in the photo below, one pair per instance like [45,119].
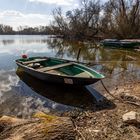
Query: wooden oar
[54,67]
[33,61]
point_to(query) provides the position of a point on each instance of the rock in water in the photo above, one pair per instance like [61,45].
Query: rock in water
[42,127]
[131,117]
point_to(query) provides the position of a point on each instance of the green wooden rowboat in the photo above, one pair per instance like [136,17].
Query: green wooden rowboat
[59,70]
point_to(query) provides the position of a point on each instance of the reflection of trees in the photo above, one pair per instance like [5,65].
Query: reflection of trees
[24,40]
[7,42]
[112,58]
[31,41]
[89,51]
[70,49]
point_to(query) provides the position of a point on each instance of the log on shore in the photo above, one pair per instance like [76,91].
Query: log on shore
[41,127]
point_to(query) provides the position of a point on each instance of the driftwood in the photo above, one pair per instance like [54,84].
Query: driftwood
[42,127]
[131,99]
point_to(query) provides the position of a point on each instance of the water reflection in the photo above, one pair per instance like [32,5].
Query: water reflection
[70,96]
[90,52]
[22,39]
[7,42]
[60,98]
[20,96]
[106,60]
[18,99]
[27,95]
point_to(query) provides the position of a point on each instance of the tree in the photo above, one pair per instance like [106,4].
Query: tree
[60,24]
[121,18]
[79,23]
[5,29]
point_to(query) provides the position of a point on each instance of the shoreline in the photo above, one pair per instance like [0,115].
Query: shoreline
[105,120]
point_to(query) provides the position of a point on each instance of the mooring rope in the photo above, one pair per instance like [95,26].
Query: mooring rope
[119,99]
[109,92]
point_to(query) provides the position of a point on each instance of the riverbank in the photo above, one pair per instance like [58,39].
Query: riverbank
[104,121]
[107,124]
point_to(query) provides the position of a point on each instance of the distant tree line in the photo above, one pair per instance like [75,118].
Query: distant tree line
[93,19]
[24,30]
[5,29]
[41,30]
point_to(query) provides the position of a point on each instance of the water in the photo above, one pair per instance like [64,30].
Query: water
[23,95]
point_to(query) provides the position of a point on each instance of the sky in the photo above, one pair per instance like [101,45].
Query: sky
[31,12]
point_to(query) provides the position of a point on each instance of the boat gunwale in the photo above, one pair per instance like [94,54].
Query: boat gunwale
[64,76]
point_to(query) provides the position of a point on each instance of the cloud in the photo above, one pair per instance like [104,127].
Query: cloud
[7,80]
[16,19]
[11,13]
[57,2]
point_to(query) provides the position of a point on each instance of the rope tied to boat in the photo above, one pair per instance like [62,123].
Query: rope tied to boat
[119,99]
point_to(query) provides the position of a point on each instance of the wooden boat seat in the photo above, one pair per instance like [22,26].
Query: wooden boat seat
[54,67]
[34,61]
[83,74]
[56,72]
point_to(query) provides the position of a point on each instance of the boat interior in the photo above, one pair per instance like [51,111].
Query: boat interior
[58,67]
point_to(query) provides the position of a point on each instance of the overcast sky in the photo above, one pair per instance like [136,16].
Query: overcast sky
[31,12]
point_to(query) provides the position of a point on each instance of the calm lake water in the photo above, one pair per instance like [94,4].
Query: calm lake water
[23,95]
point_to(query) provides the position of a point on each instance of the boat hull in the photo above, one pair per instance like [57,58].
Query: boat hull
[58,79]
[119,43]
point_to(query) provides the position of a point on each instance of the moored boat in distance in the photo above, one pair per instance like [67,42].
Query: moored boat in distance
[119,43]
[59,70]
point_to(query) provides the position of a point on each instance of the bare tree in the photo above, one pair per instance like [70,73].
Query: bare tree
[115,19]
[78,23]
[60,24]
[5,29]
[121,18]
